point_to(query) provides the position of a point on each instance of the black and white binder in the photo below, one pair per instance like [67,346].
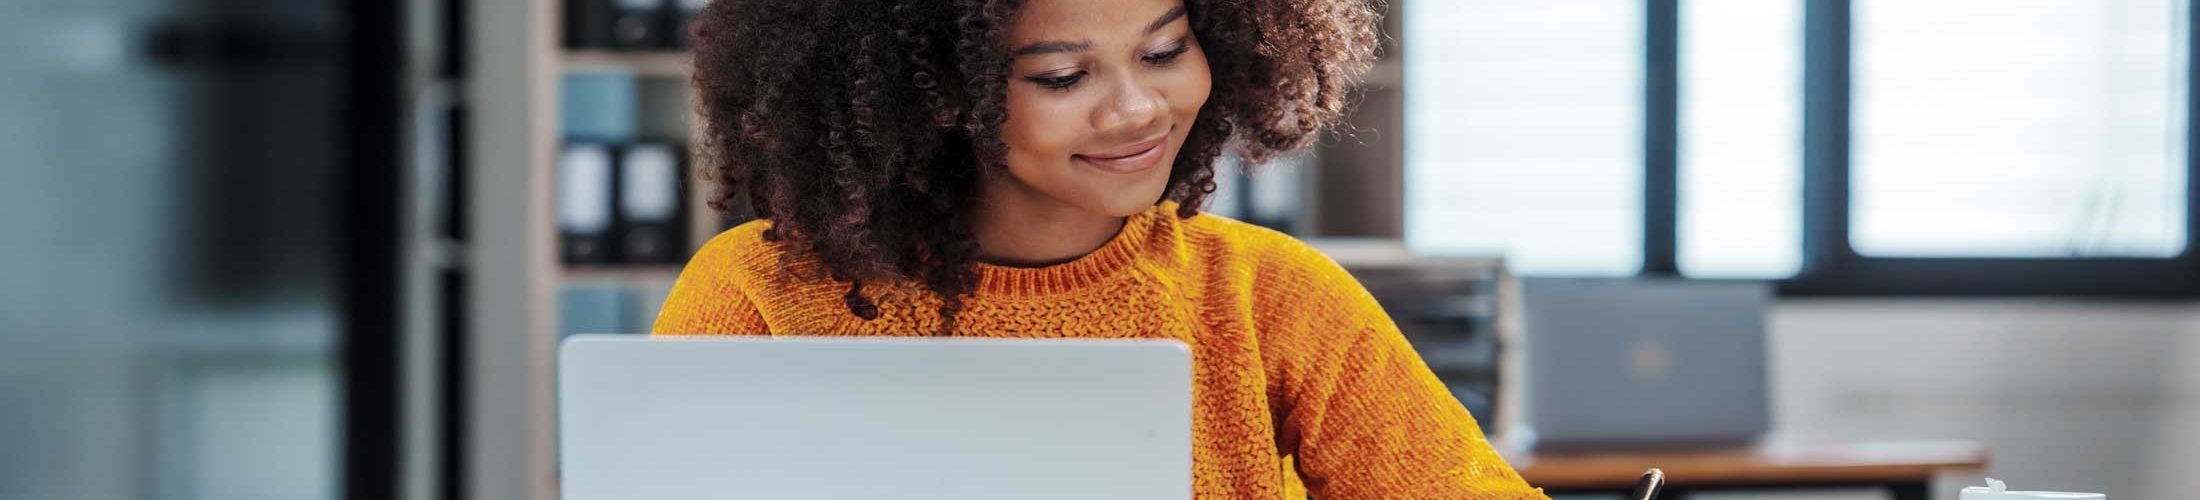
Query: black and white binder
[639,24]
[584,203]
[650,225]
[617,24]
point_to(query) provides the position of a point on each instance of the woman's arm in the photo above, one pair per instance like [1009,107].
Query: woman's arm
[1378,424]
[1366,417]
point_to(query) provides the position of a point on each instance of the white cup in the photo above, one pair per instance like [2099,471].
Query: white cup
[2000,491]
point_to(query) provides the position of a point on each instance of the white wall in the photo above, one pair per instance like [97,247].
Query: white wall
[2072,395]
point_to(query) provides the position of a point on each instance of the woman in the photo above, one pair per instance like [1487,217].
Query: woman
[996,168]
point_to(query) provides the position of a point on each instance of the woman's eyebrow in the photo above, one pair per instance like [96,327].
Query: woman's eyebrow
[1051,47]
[1166,18]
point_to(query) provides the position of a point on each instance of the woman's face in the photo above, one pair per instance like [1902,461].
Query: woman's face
[1101,95]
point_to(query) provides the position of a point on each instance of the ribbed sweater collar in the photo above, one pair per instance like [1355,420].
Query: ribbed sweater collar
[1140,232]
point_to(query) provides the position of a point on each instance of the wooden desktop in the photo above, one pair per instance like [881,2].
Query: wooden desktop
[1904,469]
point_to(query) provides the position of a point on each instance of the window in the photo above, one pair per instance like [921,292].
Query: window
[1841,146]
[1524,132]
[1740,131]
[2018,128]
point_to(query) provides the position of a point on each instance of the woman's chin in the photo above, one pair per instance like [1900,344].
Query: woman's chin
[1126,206]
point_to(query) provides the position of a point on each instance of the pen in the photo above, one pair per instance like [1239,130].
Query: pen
[1652,481]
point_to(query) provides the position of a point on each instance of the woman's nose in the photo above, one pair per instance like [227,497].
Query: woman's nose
[1132,107]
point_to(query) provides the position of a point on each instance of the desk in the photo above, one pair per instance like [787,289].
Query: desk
[1904,469]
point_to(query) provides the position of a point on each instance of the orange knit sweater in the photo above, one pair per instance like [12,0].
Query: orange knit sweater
[1300,379]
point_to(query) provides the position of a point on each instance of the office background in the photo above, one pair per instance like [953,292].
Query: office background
[319,249]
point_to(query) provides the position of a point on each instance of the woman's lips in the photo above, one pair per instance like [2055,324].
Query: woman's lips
[1129,159]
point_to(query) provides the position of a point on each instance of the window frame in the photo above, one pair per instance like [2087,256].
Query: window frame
[1831,265]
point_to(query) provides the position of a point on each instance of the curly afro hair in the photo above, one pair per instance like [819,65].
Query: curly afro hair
[859,128]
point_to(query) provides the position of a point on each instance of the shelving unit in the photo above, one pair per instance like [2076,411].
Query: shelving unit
[512,70]
[667,113]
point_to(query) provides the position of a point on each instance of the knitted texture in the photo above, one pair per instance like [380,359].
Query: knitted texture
[1299,379]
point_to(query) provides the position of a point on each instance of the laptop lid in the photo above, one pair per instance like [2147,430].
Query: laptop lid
[815,418]
[1644,361]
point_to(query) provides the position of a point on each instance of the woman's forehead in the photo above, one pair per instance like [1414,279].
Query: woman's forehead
[1092,20]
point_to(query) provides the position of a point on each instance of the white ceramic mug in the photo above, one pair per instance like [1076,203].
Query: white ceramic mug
[1996,490]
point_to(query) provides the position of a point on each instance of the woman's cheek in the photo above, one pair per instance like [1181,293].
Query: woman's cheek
[1198,83]
[1067,120]
[1043,123]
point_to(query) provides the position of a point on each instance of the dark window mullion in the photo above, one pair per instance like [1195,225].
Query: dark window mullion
[1825,138]
[1661,123]
[2191,255]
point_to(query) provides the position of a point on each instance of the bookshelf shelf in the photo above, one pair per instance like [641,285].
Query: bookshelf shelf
[624,273]
[662,64]
[1385,74]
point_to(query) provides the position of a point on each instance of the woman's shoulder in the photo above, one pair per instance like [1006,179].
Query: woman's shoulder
[1274,257]
[740,251]
[1296,292]
[743,239]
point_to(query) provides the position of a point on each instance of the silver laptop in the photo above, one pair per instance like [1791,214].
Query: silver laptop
[842,418]
[1629,362]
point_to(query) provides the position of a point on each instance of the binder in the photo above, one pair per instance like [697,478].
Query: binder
[639,24]
[599,105]
[594,308]
[650,220]
[683,16]
[584,217]
[618,24]
[588,24]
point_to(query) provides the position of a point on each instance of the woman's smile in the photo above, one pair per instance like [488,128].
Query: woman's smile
[1129,159]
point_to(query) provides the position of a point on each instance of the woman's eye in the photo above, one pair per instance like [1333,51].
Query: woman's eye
[1167,56]
[1057,82]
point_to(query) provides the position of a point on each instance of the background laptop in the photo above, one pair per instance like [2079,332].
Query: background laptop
[815,418]
[1630,362]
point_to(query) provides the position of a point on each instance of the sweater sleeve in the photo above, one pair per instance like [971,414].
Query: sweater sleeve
[710,298]
[1363,415]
